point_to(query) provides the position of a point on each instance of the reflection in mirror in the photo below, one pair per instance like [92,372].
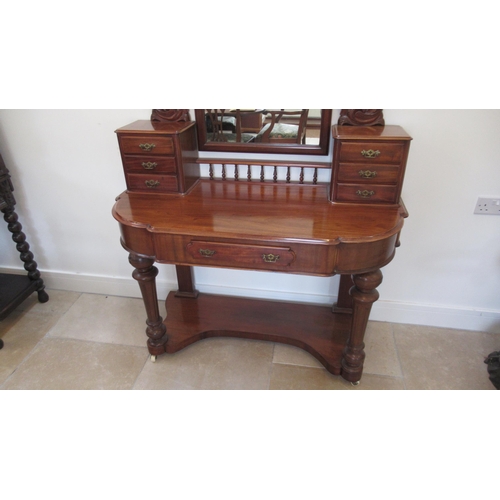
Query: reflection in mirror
[264,130]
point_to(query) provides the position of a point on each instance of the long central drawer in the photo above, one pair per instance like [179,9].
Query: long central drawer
[230,254]
[299,258]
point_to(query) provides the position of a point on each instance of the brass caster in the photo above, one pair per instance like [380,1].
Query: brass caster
[153,358]
[355,383]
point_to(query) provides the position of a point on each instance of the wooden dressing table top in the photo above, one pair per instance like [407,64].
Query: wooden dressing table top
[270,212]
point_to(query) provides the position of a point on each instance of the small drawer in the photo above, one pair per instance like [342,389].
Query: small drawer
[372,152]
[235,255]
[361,172]
[364,193]
[151,145]
[151,164]
[152,183]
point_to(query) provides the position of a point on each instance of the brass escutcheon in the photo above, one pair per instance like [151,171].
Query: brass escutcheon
[207,253]
[149,165]
[365,193]
[269,257]
[367,174]
[370,153]
[152,183]
[147,146]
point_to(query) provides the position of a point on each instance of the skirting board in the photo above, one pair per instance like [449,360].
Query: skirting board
[383,310]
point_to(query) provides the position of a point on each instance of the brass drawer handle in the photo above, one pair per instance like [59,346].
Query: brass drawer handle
[147,146]
[365,193]
[370,153]
[149,165]
[207,253]
[367,174]
[269,257]
[152,183]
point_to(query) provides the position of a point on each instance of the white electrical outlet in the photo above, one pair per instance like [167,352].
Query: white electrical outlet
[487,206]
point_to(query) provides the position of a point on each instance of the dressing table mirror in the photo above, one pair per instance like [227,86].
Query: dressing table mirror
[276,131]
[272,215]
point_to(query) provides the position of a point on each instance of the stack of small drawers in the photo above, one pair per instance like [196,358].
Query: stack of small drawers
[369,164]
[154,156]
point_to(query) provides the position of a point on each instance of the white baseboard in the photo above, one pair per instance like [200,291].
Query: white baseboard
[482,320]
[383,310]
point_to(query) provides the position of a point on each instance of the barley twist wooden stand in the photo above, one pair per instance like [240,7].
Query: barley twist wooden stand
[14,289]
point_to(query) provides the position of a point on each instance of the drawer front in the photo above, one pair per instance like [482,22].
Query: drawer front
[364,193]
[151,145]
[235,255]
[152,183]
[360,172]
[151,164]
[372,152]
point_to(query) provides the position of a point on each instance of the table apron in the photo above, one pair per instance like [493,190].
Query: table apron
[315,259]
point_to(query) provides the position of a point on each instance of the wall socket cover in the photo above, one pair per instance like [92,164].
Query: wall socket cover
[487,206]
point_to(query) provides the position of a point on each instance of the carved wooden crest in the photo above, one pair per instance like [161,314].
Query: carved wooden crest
[362,117]
[170,115]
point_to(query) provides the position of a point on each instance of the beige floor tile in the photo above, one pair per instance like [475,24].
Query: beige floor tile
[20,339]
[85,341]
[218,363]
[59,302]
[381,355]
[101,318]
[291,355]
[62,364]
[288,377]
[27,325]
[439,358]
[380,349]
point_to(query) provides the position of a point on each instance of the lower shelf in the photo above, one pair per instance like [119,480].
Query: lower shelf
[14,289]
[313,328]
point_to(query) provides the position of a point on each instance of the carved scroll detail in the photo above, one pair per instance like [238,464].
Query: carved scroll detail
[170,115]
[361,117]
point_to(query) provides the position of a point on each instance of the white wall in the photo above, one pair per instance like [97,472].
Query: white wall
[66,169]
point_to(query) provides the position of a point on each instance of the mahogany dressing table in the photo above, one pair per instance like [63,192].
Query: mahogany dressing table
[239,217]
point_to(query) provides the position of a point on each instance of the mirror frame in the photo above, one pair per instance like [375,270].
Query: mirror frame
[268,148]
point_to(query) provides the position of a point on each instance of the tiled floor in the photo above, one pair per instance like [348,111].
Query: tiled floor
[84,341]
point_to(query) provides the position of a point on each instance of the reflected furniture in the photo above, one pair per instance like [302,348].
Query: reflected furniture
[14,289]
[230,126]
[276,130]
[264,215]
[247,125]
[319,148]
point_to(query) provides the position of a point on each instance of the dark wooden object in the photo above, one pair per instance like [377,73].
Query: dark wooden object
[267,225]
[14,289]
[493,362]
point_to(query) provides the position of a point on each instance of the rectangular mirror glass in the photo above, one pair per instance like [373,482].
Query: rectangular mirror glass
[283,131]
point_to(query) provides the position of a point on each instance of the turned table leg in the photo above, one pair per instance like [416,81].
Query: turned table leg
[363,294]
[145,273]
